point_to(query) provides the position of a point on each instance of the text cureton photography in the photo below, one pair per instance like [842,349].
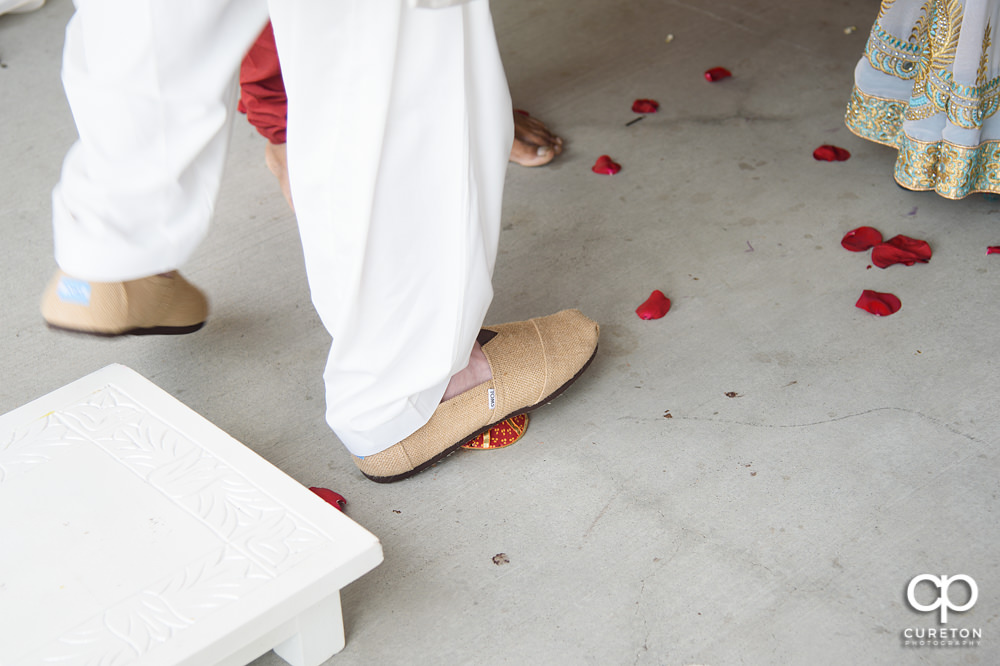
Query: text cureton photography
[936,591]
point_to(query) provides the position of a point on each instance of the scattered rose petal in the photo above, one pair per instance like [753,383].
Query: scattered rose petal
[717,74]
[335,500]
[522,112]
[645,106]
[861,239]
[993,249]
[670,38]
[913,212]
[655,306]
[920,248]
[901,250]
[850,29]
[830,153]
[606,165]
[879,304]
[501,559]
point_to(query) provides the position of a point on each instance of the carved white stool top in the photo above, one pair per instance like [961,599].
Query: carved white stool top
[132,530]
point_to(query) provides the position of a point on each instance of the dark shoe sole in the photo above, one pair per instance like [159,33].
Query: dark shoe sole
[447,452]
[155,330]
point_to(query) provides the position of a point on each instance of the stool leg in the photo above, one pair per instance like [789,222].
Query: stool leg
[320,634]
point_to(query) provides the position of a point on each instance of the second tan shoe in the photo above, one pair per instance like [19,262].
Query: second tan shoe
[532,362]
[165,304]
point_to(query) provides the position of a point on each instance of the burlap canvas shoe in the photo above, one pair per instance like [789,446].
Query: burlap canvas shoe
[532,362]
[164,304]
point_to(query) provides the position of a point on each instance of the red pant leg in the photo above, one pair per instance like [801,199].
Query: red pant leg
[262,90]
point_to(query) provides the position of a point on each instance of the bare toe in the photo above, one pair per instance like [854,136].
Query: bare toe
[534,144]
[530,155]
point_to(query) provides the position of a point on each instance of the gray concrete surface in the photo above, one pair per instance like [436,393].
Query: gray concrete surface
[778,526]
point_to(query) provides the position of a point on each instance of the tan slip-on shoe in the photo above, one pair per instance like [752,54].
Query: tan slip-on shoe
[165,304]
[532,362]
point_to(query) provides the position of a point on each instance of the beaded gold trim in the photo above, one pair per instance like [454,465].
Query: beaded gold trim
[951,170]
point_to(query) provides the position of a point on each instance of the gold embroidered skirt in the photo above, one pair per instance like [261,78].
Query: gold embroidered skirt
[929,85]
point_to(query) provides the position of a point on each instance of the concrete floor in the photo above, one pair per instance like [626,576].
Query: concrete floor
[817,458]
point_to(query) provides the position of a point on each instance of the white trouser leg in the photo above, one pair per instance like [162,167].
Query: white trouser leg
[151,85]
[399,131]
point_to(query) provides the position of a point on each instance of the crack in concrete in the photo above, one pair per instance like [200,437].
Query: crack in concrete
[601,514]
[936,421]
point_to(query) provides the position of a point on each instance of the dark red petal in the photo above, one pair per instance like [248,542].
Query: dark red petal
[920,248]
[878,303]
[335,500]
[655,306]
[861,239]
[901,250]
[884,256]
[522,112]
[993,249]
[645,106]
[830,153]
[824,153]
[717,74]
[606,165]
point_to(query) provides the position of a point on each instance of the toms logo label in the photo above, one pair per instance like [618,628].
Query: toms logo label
[73,291]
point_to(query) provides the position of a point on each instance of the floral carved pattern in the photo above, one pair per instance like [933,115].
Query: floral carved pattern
[257,537]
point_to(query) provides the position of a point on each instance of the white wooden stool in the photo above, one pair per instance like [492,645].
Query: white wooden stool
[133,531]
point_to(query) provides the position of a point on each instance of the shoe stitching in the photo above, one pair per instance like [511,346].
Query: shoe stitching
[494,383]
[406,454]
[545,362]
[166,293]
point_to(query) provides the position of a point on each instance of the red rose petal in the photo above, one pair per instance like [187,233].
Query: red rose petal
[655,306]
[606,165]
[920,248]
[861,239]
[993,249]
[830,153]
[335,500]
[645,106]
[717,74]
[878,303]
[901,250]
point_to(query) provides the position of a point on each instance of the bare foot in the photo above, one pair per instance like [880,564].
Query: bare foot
[276,157]
[476,373]
[534,144]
